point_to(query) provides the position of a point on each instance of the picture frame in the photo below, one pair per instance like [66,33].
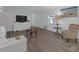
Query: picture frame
[69,12]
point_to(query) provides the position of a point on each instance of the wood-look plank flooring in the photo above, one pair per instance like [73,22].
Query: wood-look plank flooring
[47,41]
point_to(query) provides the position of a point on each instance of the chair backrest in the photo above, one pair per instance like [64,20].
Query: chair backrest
[74,28]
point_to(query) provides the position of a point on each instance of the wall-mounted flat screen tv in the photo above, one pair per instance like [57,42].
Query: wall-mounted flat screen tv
[20,18]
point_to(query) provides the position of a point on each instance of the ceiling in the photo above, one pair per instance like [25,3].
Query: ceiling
[32,9]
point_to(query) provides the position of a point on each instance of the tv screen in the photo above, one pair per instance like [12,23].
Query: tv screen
[21,18]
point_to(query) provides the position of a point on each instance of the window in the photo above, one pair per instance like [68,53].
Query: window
[51,19]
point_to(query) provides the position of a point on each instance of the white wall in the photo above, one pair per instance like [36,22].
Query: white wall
[65,22]
[8,18]
[69,20]
[41,20]
[33,20]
